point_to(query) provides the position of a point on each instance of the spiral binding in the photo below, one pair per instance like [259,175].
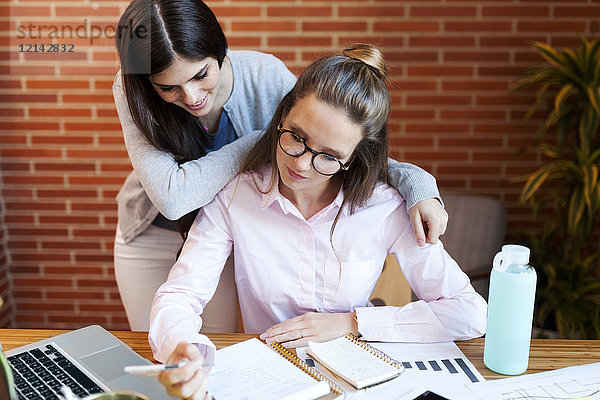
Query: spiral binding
[291,357]
[378,353]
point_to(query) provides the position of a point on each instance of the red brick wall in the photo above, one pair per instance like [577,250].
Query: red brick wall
[6,309]
[63,160]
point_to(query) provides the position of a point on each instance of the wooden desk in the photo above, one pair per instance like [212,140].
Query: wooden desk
[545,354]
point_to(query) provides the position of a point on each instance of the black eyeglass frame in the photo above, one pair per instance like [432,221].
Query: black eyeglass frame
[281,130]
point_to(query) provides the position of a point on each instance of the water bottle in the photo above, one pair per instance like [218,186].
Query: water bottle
[510,311]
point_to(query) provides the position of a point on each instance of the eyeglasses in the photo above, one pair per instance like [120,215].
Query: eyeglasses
[295,146]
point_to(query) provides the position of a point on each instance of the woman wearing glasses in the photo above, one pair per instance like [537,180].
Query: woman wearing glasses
[310,220]
[188,108]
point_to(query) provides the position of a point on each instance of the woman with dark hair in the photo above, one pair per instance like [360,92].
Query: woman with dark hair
[311,219]
[190,111]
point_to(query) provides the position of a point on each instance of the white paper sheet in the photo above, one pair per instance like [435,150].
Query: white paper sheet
[441,379]
[252,371]
[580,382]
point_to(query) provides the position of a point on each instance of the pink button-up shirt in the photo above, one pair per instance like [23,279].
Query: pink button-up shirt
[285,266]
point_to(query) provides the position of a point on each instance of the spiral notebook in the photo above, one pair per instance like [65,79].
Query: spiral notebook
[355,361]
[251,370]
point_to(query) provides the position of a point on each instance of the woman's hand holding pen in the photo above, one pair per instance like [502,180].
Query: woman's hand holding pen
[316,327]
[189,381]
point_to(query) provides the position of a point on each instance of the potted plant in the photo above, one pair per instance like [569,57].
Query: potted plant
[566,252]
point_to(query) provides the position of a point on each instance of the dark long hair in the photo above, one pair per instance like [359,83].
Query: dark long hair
[150,35]
[356,83]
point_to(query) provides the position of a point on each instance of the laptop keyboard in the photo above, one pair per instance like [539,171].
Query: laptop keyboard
[40,373]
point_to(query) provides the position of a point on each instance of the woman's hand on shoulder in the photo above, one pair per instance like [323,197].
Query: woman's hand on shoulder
[429,221]
[189,381]
[313,326]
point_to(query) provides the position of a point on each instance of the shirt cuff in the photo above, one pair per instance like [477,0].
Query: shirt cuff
[201,341]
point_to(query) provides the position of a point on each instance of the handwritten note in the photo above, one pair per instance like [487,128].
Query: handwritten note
[251,371]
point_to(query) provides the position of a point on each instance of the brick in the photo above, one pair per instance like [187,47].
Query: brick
[111,167]
[293,41]
[62,139]
[475,56]
[439,71]
[95,180]
[32,180]
[56,56]
[11,112]
[75,294]
[372,11]
[471,142]
[550,26]
[226,11]
[335,25]
[64,166]
[296,12]
[438,100]
[107,113]
[59,112]
[25,11]
[67,193]
[378,40]
[10,84]
[68,219]
[476,26]
[577,11]
[70,245]
[441,41]
[70,270]
[478,85]
[475,114]
[57,84]
[435,155]
[87,70]
[29,153]
[71,153]
[13,139]
[88,98]
[412,114]
[94,127]
[87,12]
[263,26]
[246,41]
[411,56]
[28,98]
[411,142]
[41,206]
[407,26]
[14,166]
[38,232]
[437,128]
[18,219]
[442,11]
[515,11]
[38,257]
[94,257]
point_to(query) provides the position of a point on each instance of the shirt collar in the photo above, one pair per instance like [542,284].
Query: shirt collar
[274,195]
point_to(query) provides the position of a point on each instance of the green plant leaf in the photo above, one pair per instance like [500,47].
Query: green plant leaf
[550,151]
[594,97]
[575,210]
[534,181]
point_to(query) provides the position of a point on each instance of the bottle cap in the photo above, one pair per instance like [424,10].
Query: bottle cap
[515,254]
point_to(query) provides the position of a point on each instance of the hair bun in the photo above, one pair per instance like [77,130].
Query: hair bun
[369,55]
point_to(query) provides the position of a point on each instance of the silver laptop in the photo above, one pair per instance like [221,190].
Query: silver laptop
[89,360]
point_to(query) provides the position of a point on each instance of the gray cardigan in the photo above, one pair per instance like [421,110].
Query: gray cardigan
[158,184]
